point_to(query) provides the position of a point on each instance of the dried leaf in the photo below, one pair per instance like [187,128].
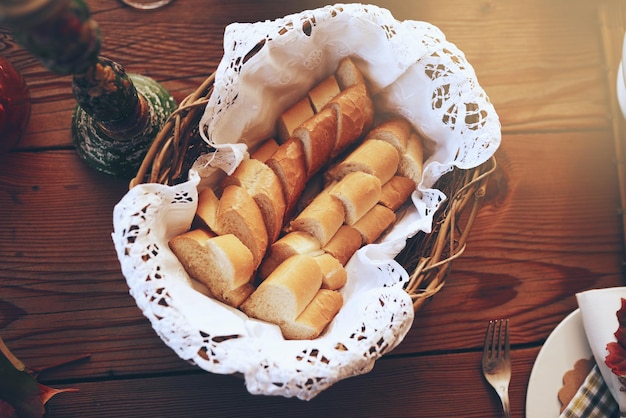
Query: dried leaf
[20,393]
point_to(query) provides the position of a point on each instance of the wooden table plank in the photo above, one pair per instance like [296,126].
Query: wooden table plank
[407,384]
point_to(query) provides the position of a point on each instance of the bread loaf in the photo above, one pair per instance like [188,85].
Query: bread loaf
[411,162]
[317,134]
[223,263]
[396,191]
[358,192]
[292,118]
[355,115]
[315,317]
[321,218]
[265,150]
[395,131]
[374,223]
[206,211]
[334,275]
[286,292]
[323,92]
[373,156]
[348,74]
[263,185]
[289,164]
[293,243]
[344,244]
[238,214]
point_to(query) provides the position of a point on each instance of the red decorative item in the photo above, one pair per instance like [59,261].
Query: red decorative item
[14,105]
[616,359]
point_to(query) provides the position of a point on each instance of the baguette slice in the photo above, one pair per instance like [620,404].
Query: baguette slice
[323,93]
[395,131]
[293,243]
[348,74]
[344,244]
[412,161]
[289,164]
[222,263]
[286,292]
[260,181]
[206,211]
[317,135]
[358,192]
[374,223]
[321,218]
[373,156]
[334,275]
[292,118]
[355,115]
[238,214]
[265,150]
[396,191]
[315,317]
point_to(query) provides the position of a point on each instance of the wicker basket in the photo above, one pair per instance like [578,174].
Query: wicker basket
[427,257]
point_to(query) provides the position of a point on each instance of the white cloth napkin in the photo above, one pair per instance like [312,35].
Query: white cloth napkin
[598,308]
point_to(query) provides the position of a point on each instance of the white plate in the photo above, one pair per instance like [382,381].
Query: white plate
[565,345]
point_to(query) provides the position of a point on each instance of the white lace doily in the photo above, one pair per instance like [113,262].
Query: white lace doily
[413,72]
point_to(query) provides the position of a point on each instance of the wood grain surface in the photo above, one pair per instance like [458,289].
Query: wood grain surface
[550,225]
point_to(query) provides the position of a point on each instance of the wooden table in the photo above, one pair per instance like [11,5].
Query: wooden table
[551,224]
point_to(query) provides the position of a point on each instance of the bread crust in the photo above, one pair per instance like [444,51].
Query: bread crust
[355,114]
[344,244]
[292,118]
[372,156]
[262,183]
[286,292]
[334,275]
[222,263]
[396,191]
[206,212]
[292,243]
[396,131]
[323,92]
[317,135]
[411,163]
[358,192]
[374,223]
[321,218]
[348,74]
[238,214]
[289,164]
[315,317]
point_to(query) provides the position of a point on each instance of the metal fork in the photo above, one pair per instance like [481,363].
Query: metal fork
[497,360]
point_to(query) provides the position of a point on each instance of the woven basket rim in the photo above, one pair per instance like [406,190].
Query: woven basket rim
[426,257]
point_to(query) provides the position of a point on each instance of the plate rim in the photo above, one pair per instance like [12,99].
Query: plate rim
[540,395]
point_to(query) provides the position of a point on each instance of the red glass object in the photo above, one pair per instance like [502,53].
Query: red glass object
[14,105]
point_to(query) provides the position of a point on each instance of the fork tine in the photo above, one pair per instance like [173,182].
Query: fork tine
[507,347]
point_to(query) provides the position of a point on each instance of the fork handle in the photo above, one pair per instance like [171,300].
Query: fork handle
[504,395]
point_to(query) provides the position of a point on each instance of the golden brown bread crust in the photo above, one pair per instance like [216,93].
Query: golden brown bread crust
[355,115]
[222,263]
[261,182]
[292,118]
[321,218]
[238,214]
[358,192]
[411,162]
[265,150]
[374,223]
[396,191]
[395,131]
[206,211]
[293,243]
[323,92]
[344,244]
[315,317]
[289,164]
[317,135]
[286,292]
[334,275]
[372,156]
